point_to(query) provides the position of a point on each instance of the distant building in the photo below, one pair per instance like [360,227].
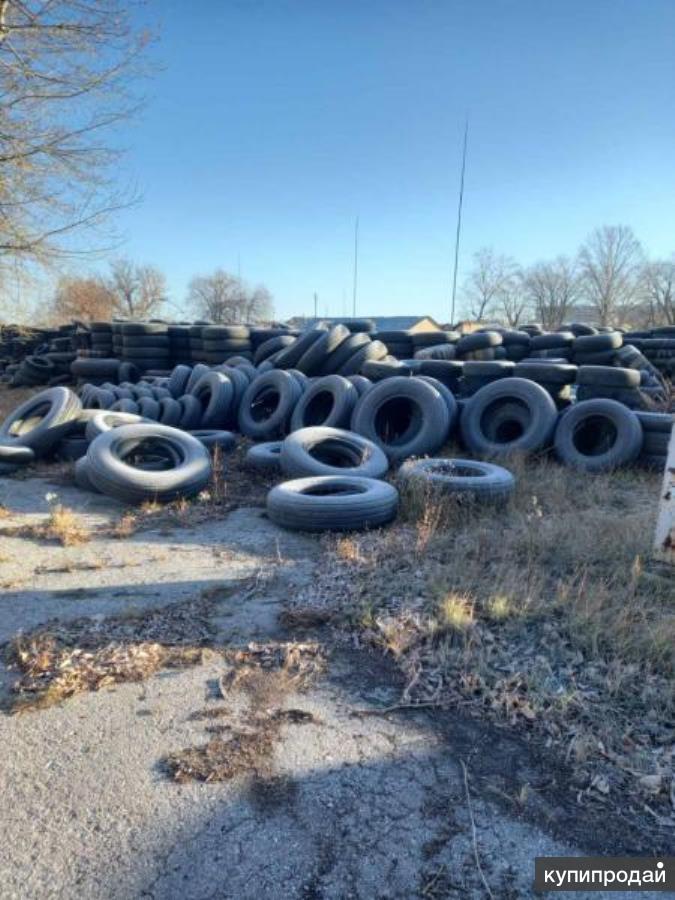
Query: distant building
[413,324]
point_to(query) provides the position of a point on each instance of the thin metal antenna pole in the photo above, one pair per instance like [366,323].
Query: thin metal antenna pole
[316,305]
[356,264]
[459,222]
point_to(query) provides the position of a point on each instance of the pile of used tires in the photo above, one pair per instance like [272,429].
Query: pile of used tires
[333,404]
[36,356]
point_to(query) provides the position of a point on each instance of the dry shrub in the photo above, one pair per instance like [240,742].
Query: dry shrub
[63,526]
[540,612]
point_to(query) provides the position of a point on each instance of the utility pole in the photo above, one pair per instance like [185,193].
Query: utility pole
[459,222]
[356,264]
[316,305]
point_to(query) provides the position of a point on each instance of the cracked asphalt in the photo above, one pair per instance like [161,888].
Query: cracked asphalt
[348,806]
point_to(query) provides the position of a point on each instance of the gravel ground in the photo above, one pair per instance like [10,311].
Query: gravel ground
[344,806]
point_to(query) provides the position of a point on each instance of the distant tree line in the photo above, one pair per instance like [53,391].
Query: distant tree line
[610,280]
[133,291]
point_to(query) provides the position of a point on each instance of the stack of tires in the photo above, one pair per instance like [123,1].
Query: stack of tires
[656,431]
[146,345]
[101,343]
[222,341]
[197,354]
[179,345]
[398,343]
[608,381]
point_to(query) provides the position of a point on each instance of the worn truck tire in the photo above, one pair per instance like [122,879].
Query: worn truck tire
[331,451]
[329,401]
[513,415]
[461,477]
[403,416]
[41,421]
[596,435]
[267,405]
[332,503]
[112,474]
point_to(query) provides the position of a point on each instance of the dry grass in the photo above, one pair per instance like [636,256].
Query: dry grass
[62,526]
[232,486]
[542,613]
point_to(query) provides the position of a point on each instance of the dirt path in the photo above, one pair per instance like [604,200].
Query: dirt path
[332,804]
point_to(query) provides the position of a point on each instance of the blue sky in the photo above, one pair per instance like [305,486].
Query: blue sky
[273,124]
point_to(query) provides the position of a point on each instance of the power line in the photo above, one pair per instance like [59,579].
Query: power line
[459,222]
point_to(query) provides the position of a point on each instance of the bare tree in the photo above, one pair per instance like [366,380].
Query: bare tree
[610,264]
[491,279]
[658,283]
[86,299]
[66,67]
[224,298]
[552,289]
[138,291]
[512,301]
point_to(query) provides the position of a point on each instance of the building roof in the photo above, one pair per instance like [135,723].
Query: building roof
[383,323]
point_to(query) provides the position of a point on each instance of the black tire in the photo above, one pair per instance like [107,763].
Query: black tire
[170,412]
[41,421]
[106,419]
[459,477]
[662,423]
[149,408]
[331,451]
[267,405]
[178,380]
[598,343]
[289,357]
[546,373]
[191,412]
[313,359]
[655,444]
[112,475]
[194,376]
[338,358]
[81,475]
[447,395]
[437,351]
[523,418]
[212,437]
[145,341]
[265,457]
[215,392]
[16,455]
[273,345]
[403,416]
[481,340]
[126,406]
[373,351]
[332,503]
[596,435]
[72,448]
[328,401]
[552,341]
[361,383]
[608,376]
[226,333]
